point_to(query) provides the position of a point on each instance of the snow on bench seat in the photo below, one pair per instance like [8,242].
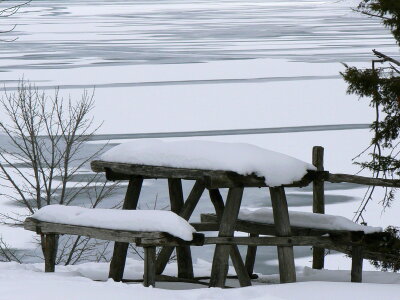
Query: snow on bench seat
[245,159]
[307,220]
[117,219]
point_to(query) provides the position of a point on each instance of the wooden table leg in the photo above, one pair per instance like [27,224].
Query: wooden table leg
[357,257]
[227,227]
[356,263]
[149,276]
[287,269]
[186,212]
[251,257]
[117,264]
[183,253]
[240,268]
[218,203]
[50,251]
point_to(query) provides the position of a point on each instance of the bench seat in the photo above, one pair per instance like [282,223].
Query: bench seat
[144,228]
[307,229]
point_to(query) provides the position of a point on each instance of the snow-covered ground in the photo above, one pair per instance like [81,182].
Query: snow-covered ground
[76,283]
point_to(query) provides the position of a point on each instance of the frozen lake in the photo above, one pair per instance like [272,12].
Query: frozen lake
[178,65]
[201,65]
[80,34]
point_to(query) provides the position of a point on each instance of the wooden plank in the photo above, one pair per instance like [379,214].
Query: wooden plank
[198,240]
[318,202]
[287,270]
[339,178]
[166,278]
[205,226]
[269,229]
[50,252]
[251,257]
[117,264]
[227,227]
[149,277]
[213,178]
[138,237]
[276,241]
[124,236]
[186,212]
[183,254]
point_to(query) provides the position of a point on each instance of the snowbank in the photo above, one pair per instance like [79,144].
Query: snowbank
[306,219]
[67,284]
[134,220]
[245,159]
[309,274]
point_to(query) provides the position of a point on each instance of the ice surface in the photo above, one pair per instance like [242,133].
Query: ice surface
[245,159]
[134,220]
[306,219]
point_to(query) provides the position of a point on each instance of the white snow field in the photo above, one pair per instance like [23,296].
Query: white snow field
[245,159]
[132,220]
[21,282]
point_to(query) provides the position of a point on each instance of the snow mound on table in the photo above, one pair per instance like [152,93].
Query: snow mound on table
[132,220]
[308,220]
[245,159]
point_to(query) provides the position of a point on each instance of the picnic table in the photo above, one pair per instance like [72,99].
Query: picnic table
[212,180]
[213,166]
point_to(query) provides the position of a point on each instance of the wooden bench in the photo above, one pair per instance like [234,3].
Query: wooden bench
[357,244]
[148,240]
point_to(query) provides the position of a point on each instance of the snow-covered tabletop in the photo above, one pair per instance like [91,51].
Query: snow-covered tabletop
[245,159]
[307,220]
[130,220]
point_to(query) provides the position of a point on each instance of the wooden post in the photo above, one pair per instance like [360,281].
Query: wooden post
[287,269]
[50,252]
[318,202]
[117,264]
[183,254]
[227,227]
[356,263]
[149,277]
[186,212]
[357,257]
[251,257]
